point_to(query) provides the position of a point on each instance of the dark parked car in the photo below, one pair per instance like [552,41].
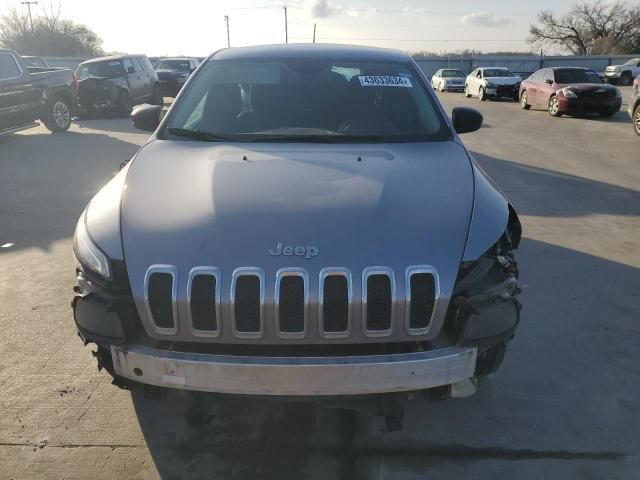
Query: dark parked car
[31,94]
[115,84]
[173,73]
[569,90]
[264,240]
[634,105]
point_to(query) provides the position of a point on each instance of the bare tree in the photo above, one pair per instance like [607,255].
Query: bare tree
[51,34]
[590,28]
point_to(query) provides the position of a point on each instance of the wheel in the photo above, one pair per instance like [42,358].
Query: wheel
[490,359]
[124,104]
[554,107]
[636,120]
[626,79]
[58,117]
[441,87]
[157,99]
[482,95]
[524,104]
[466,91]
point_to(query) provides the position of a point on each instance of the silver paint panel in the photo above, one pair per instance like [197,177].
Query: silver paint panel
[351,375]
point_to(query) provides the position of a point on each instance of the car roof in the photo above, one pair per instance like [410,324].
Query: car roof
[176,58]
[111,57]
[313,50]
[568,68]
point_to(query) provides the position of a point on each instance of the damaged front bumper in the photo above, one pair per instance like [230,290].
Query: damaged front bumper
[295,376]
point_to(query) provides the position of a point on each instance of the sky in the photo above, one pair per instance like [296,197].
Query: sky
[197,27]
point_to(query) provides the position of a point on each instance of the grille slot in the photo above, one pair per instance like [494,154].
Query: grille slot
[204,301]
[161,300]
[291,302]
[422,291]
[378,302]
[335,304]
[248,297]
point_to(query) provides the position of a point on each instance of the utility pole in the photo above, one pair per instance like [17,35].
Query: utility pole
[226,19]
[28,4]
[314,33]
[286,29]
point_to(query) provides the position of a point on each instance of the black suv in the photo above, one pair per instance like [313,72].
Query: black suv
[116,83]
[174,72]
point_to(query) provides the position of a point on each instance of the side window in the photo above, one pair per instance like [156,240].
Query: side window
[128,64]
[146,64]
[479,74]
[137,64]
[546,75]
[438,73]
[8,67]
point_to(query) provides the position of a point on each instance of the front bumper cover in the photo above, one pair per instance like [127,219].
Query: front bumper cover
[295,376]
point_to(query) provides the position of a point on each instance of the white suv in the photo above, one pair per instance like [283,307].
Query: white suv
[623,74]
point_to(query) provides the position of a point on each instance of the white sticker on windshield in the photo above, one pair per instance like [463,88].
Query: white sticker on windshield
[384,81]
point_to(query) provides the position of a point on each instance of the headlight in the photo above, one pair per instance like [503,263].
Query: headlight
[567,92]
[87,253]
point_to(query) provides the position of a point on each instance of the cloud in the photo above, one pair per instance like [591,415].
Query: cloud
[323,9]
[483,19]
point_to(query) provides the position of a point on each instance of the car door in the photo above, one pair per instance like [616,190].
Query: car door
[477,81]
[533,85]
[18,104]
[470,80]
[134,78]
[545,89]
[147,81]
[434,79]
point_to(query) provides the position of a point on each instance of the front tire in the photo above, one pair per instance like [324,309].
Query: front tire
[636,120]
[466,91]
[482,95]
[58,118]
[524,103]
[441,87]
[490,359]
[554,107]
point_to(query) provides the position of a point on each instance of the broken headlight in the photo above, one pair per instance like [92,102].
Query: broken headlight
[88,253]
[484,310]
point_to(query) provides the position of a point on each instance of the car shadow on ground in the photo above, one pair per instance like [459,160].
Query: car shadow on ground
[30,186]
[546,193]
[541,406]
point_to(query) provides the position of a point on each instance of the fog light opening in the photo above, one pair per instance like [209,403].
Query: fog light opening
[137,371]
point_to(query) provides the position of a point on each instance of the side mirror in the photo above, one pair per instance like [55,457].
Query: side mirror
[466,120]
[131,70]
[146,117]
[548,81]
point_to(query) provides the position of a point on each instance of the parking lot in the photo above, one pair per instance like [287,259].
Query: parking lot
[566,403]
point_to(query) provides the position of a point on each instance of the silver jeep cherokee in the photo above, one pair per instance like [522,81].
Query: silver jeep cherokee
[304,222]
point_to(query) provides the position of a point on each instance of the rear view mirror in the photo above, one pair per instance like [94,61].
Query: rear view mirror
[548,81]
[466,120]
[146,117]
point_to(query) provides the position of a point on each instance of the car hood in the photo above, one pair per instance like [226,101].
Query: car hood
[588,87]
[189,204]
[504,80]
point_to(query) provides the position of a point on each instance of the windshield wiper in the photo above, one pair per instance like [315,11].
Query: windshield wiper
[197,135]
[319,139]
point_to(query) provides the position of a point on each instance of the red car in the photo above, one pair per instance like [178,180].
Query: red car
[569,90]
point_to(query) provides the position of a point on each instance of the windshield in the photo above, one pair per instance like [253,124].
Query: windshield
[180,65]
[106,69]
[497,72]
[633,61]
[576,76]
[452,74]
[308,100]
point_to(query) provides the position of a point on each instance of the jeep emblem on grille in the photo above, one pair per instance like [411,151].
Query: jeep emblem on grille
[288,250]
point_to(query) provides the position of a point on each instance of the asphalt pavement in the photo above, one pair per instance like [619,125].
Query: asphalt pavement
[565,404]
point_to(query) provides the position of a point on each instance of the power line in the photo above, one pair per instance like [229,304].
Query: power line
[28,4]
[226,19]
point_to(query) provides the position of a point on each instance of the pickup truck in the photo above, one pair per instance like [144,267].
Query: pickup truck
[303,223]
[29,94]
[623,74]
